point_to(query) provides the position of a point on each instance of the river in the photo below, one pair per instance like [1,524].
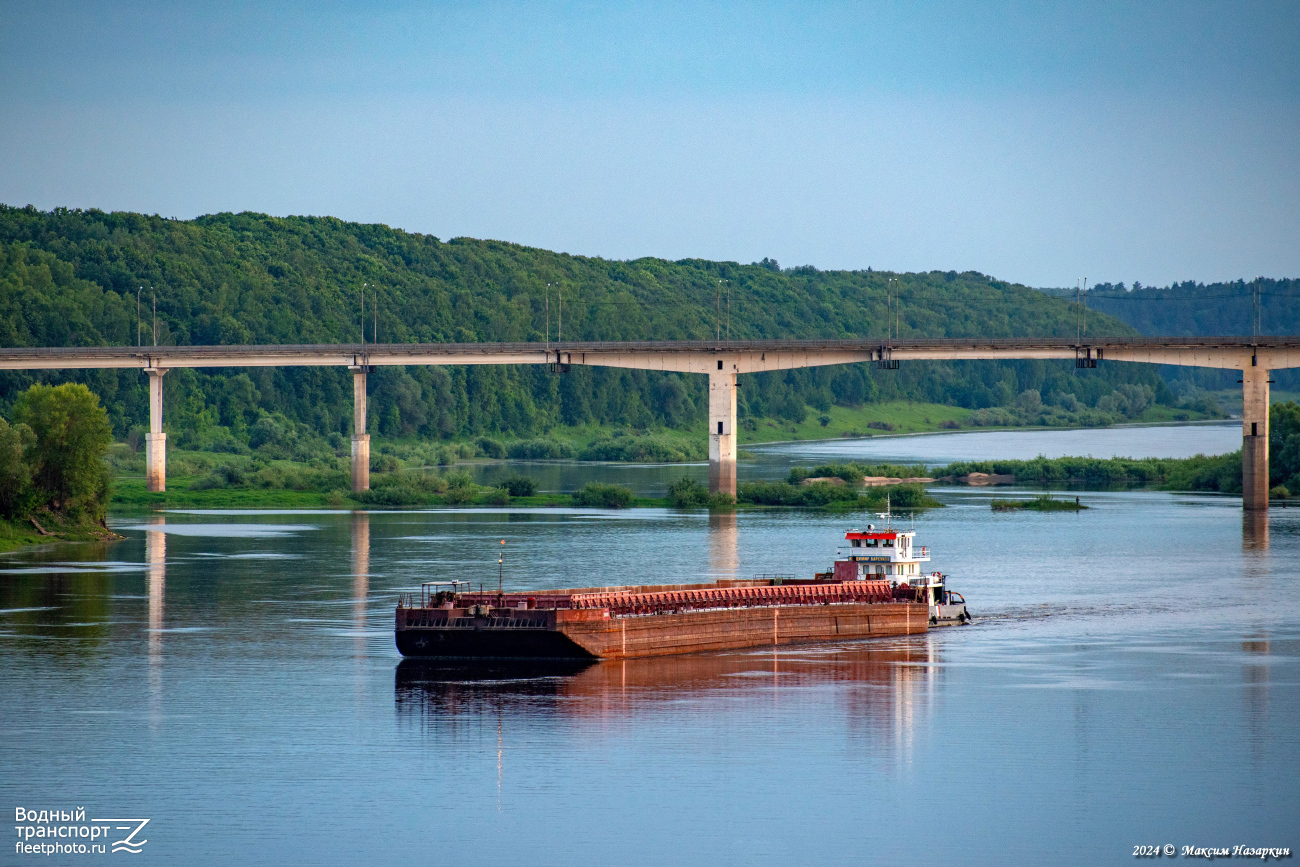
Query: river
[1131,679]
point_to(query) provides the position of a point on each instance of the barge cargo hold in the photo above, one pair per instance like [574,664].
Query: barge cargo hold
[876,591]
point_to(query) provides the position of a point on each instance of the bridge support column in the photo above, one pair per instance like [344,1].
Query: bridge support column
[155,441]
[1254,438]
[360,439]
[722,432]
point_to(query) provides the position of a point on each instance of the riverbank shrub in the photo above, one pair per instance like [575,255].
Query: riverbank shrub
[539,450]
[785,494]
[518,485]
[686,493]
[822,494]
[490,448]
[603,496]
[1045,503]
[853,473]
[1220,473]
[647,449]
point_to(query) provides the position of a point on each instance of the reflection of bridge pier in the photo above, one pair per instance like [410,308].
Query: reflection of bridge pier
[155,558]
[360,576]
[1255,676]
[724,545]
[1254,530]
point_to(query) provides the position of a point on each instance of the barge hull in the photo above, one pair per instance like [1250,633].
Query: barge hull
[488,643]
[594,634]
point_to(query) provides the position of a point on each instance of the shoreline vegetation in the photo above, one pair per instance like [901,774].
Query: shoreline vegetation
[49,529]
[54,481]
[1045,503]
[432,474]
[1218,473]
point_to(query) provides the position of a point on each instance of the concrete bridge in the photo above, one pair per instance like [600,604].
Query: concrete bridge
[722,361]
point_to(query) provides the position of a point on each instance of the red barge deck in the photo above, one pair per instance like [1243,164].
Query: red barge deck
[875,590]
[651,620]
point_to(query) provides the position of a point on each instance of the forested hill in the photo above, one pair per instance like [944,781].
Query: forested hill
[1191,309]
[1203,309]
[71,278]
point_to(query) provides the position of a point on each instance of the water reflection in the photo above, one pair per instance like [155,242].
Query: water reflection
[155,558]
[1255,676]
[1254,530]
[884,689]
[724,545]
[360,578]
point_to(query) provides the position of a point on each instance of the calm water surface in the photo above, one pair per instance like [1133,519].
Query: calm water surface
[1132,678]
[774,461]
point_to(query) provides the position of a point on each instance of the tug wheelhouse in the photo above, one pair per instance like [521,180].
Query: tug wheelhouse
[892,555]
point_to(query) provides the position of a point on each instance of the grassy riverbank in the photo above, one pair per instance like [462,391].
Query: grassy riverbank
[20,533]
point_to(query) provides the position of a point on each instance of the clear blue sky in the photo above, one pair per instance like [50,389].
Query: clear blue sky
[1040,142]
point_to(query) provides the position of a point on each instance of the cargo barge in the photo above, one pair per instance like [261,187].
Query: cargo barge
[875,589]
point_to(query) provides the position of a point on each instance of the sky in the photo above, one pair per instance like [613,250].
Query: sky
[1037,142]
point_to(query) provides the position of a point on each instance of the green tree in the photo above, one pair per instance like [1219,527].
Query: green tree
[66,458]
[15,474]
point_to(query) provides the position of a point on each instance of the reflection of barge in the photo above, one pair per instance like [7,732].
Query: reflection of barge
[875,590]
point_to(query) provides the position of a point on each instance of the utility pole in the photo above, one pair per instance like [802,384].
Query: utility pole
[1254,312]
[155,318]
[889,308]
[139,326]
[1078,307]
[363,313]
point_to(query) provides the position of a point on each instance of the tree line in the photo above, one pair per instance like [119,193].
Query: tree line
[1191,309]
[70,277]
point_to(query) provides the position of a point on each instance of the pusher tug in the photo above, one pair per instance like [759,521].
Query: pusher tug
[875,589]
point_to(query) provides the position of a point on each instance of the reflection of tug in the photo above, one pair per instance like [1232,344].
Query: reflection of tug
[890,555]
[876,590]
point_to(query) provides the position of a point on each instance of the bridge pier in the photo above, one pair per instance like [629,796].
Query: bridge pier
[1254,438]
[155,441]
[722,431]
[360,439]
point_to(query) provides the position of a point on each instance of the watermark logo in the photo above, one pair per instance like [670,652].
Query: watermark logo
[68,832]
[127,843]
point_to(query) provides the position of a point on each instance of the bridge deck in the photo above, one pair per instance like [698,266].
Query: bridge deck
[1173,350]
[721,360]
